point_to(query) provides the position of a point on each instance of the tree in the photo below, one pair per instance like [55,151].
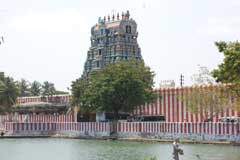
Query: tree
[8,91]
[202,97]
[209,99]
[215,98]
[120,86]
[48,89]
[2,85]
[35,88]
[229,70]
[2,76]
[23,86]
[79,90]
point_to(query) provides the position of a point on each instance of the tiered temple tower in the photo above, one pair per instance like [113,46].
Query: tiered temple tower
[113,39]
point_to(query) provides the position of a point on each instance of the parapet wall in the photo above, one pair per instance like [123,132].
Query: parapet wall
[78,129]
[197,131]
[205,131]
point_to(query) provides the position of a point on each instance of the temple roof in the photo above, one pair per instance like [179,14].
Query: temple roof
[38,107]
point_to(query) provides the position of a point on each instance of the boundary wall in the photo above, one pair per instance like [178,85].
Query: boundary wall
[82,129]
[60,99]
[29,118]
[196,131]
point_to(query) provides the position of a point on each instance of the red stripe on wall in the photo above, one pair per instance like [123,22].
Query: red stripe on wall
[177,101]
[160,102]
[173,105]
[168,98]
[182,107]
[186,104]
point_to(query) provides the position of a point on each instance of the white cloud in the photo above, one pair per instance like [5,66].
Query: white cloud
[52,21]
[220,26]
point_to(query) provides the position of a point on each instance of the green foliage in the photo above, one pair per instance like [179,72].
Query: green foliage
[217,98]
[229,70]
[8,91]
[207,98]
[45,89]
[35,88]
[48,89]
[1,76]
[80,91]
[24,88]
[2,86]
[118,87]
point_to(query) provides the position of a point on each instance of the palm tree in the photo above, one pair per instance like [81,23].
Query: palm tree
[2,88]
[35,88]
[24,88]
[2,76]
[8,92]
[48,89]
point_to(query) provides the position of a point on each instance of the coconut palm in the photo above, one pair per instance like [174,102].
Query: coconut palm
[48,89]
[35,88]
[23,86]
[8,92]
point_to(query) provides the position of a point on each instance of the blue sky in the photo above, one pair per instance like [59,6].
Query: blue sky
[49,39]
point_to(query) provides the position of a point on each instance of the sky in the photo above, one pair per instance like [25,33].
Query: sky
[49,39]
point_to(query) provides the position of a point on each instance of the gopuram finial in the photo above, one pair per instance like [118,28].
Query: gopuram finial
[113,17]
[127,14]
[117,16]
[122,15]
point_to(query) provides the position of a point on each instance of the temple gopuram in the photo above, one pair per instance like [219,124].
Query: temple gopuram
[113,39]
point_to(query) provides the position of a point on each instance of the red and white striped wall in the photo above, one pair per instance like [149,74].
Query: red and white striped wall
[58,126]
[37,118]
[228,131]
[54,98]
[209,128]
[173,104]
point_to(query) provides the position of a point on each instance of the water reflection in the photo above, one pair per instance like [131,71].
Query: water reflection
[75,149]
